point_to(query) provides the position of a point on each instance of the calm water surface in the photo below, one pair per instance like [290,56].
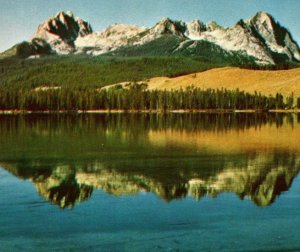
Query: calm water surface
[182,182]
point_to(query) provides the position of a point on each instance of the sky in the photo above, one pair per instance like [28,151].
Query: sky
[20,18]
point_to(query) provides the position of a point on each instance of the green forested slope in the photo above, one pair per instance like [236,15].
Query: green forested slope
[82,71]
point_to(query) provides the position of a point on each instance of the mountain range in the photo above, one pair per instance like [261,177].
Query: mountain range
[67,185]
[260,39]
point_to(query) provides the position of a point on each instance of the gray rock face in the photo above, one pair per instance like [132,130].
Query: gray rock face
[275,37]
[261,37]
[62,30]
[168,26]
[195,28]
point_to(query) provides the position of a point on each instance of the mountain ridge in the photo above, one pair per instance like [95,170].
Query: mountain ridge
[255,180]
[260,37]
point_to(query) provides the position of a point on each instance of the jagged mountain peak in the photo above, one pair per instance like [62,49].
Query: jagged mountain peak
[62,14]
[114,36]
[70,13]
[61,30]
[195,28]
[165,26]
[263,19]
[168,21]
[198,23]
[262,16]
[169,26]
[165,20]
[274,36]
[66,18]
[213,25]
[261,37]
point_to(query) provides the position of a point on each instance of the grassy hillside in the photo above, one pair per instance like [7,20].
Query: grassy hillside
[285,82]
[83,71]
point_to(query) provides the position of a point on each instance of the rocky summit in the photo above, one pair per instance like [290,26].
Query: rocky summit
[62,30]
[260,38]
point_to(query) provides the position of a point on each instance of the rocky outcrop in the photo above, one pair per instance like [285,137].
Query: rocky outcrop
[275,37]
[237,38]
[260,38]
[168,26]
[62,30]
[115,36]
[195,28]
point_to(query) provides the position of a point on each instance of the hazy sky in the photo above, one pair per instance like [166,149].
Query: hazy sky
[19,18]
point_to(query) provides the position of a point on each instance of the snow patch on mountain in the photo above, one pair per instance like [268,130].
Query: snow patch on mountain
[276,37]
[114,36]
[194,29]
[237,38]
[163,27]
[260,37]
[61,30]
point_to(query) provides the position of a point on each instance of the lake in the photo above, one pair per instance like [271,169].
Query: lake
[150,182]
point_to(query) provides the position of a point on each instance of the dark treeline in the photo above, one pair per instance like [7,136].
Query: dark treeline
[137,97]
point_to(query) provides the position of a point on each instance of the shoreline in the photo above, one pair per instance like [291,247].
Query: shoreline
[123,111]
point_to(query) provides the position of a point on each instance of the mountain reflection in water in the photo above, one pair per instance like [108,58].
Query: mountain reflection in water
[255,156]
